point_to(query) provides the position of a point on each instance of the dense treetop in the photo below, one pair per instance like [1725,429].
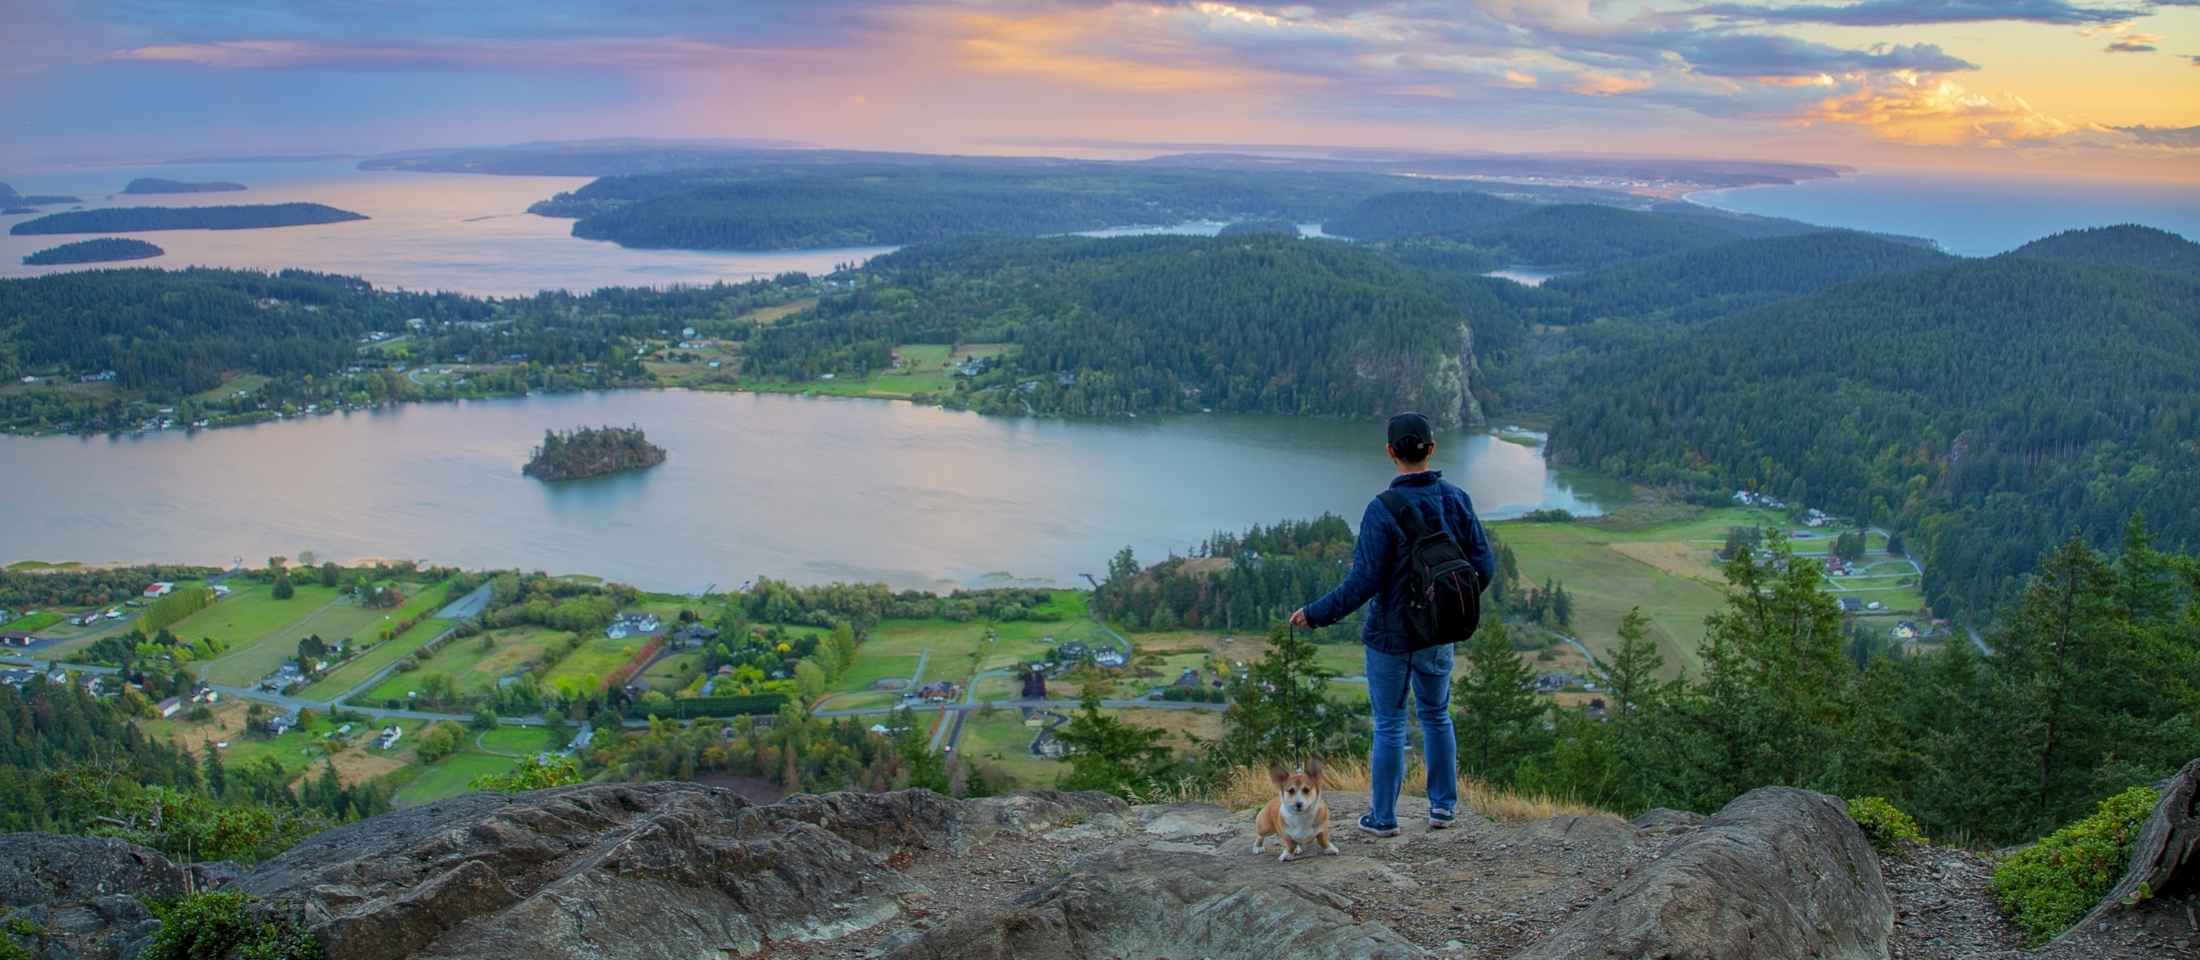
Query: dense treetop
[162,185]
[1694,285]
[783,204]
[1482,230]
[1148,325]
[101,250]
[2127,245]
[129,219]
[1991,407]
[592,452]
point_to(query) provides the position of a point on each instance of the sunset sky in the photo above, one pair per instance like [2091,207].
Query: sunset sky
[2101,86]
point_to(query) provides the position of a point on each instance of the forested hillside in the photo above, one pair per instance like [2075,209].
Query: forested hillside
[1151,325]
[1695,285]
[175,332]
[2128,245]
[1987,408]
[1477,231]
[1423,213]
[778,205]
[132,219]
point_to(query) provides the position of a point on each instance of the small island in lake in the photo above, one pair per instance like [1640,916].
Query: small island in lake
[592,452]
[20,201]
[102,250]
[159,185]
[133,219]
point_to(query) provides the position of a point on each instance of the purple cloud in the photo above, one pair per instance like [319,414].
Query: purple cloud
[1905,13]
[1766,55]
[2180,138]
[2130,46]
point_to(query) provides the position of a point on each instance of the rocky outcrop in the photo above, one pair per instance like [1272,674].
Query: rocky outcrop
[1778,873]
[625,870]
[82,892]
[1139,902]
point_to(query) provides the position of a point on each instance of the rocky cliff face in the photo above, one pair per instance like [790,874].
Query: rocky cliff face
[678,870]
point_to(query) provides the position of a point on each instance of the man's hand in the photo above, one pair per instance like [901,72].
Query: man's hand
[1298,619]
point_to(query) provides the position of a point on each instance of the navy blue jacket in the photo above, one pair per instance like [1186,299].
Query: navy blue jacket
[1379,559]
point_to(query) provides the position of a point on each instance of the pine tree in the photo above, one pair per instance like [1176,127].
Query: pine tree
[1499,710]
[1109,755]
[1280,711]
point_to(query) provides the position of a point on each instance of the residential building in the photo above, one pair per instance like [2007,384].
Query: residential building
[389,736]
[160,589]
[169,707]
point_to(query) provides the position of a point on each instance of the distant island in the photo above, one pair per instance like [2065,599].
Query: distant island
[1248,228]
[132,219]
[19,201]
[12,211]
[592,452]
[159,185]
[102,250]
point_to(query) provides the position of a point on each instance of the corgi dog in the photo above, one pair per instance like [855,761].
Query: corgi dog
[1297,815]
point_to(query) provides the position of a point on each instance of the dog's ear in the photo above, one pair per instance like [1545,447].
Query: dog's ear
[1278,774]
[1314,770]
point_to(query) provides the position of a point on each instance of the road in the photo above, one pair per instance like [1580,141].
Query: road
[463,608]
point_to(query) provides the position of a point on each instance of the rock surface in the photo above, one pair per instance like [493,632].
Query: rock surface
[625,871]
[681,870]
[1778,873]
[1141,902]
[83,892]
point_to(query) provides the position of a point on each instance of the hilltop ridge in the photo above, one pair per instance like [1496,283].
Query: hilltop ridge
[616,870]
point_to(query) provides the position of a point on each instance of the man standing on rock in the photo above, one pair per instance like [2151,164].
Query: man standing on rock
[1423,558]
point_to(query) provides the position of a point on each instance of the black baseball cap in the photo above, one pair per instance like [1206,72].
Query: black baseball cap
[1409,426]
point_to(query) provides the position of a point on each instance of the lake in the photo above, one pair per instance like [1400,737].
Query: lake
[429,231]
[1975,215]
[805,489]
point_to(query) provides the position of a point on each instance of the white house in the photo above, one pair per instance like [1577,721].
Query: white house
[170,707]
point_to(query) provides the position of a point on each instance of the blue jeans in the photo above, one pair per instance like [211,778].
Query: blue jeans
[1428,675]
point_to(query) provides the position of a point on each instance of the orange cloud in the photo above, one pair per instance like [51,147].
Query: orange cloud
[1072,47]
[1924,112]
[1608,85]
[1518,79]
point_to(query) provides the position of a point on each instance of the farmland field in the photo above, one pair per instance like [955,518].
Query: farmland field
[598,656]
[32,622]
[256,628]
[924,369]
[363,666]
[473,670]
[1002,743]
[448,777]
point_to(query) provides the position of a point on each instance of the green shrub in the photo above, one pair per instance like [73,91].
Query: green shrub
[1885,825]
[2053,883]
[220,926]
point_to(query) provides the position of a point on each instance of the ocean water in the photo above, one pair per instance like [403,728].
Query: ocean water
[428,231]
[1969,214]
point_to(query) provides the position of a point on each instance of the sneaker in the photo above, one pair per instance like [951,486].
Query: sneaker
[1440,819]
[1368,827]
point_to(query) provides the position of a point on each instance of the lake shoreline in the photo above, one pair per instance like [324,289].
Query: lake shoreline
[808,491]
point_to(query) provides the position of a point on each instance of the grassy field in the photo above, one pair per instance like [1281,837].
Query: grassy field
[32,622]
[298,752]
[925,368]
[522,741]
[257,629]
[581,670]
[872,667]
[472,669]
[363,666]
[448,777]
[247,384]
[1001,743]
[673,673]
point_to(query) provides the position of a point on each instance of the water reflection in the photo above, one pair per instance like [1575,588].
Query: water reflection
[790,487]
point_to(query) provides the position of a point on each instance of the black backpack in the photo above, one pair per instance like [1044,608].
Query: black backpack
[1443,591]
